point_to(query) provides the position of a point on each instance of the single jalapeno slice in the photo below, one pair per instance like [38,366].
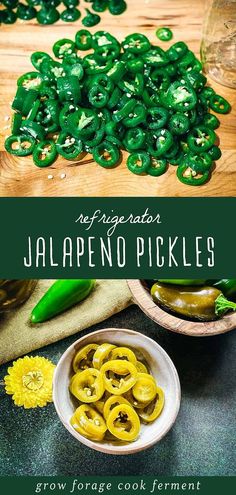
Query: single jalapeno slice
[69,89]
[128,107]
[126,376]
[101,354]
[179,124]
[196,79]
[201,139]
[83,39]
[219,105]
[24,100]
[90,19]
[22,145]
[91,421]
[181,97]
[113,401]
[97,137]
[107,51]
[188,176]
[144,390]
[68,146]
[10,3]
[30,80]
[99,5]
[25,12]
[44,153]
[154,409]
[210,120]
[8,16]
[47,15]
[63,47]
[138,162]
[70,15]
[68,109]
[16,124]
[177,51]
[164,34]
[84,357]
[33,129]
[214,152]
[136,117]
[37,59]
[136,43]
[157,117]
[83,122]
[87,386]
[141,367]
[98,96]
[199,163]
[155,57]
[134,139]
[123,353]
[164,141]
[106,154]
[157,167]
[123,422]
[117,8]
[75,423]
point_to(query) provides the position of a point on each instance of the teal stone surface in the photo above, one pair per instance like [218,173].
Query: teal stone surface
[201,443]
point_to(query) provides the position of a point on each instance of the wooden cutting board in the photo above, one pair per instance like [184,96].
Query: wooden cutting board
[20,177]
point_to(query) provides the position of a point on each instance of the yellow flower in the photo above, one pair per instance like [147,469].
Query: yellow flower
[29,381]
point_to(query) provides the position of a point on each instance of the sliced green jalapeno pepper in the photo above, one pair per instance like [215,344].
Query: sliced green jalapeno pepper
[201,139]
[47,15]
[181,97]
[164,34]
[22,145]
[70,15]
[157,167]
[37,59]
[83,39]
[83,122]
[134,139]
[136,43]
[62,47]
[44,153]
[90,19]
[179,124]
[188,176]
[106,154]
[98,96]
[138,162]
[214,153]
[219,104]
[68,146]
[116,8]
[26,12]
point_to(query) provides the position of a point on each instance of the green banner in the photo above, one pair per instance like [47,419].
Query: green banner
[118,485]
[117,237]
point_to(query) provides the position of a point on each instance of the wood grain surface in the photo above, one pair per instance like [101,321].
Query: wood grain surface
[144,300]
[19,177]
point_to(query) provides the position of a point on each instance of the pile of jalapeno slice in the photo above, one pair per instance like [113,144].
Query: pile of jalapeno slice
[46,12]
[130,96]
[115,392]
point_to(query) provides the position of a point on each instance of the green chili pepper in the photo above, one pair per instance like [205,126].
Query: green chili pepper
[227,286]
[138,162]
[44,153]
[70,15]
[61,296]
[47,15]
[90,19]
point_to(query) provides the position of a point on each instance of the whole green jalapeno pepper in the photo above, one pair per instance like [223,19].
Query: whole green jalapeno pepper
[227,286]
[60,296]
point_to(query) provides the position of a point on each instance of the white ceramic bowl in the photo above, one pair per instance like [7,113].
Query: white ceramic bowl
[161,367]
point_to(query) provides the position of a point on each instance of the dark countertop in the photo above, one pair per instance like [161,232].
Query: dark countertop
[201,442]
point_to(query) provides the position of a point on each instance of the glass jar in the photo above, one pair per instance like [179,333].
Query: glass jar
[15,292]
[218,48]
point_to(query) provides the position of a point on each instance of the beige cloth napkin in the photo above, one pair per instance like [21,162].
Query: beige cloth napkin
[19,337]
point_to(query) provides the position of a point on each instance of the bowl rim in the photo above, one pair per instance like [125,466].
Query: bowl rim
[130,448]
[171,322]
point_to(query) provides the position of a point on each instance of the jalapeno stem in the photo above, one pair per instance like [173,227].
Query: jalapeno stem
[223,305]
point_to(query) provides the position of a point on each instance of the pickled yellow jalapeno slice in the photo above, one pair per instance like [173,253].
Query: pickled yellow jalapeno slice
[91,421]
[125,372]
[102,354]
[114,400]
[153,410]
[134,402]
[75,423]
[84,357]
[87,386]
[141,367]
[145,388]
[125,354]
[123,422]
